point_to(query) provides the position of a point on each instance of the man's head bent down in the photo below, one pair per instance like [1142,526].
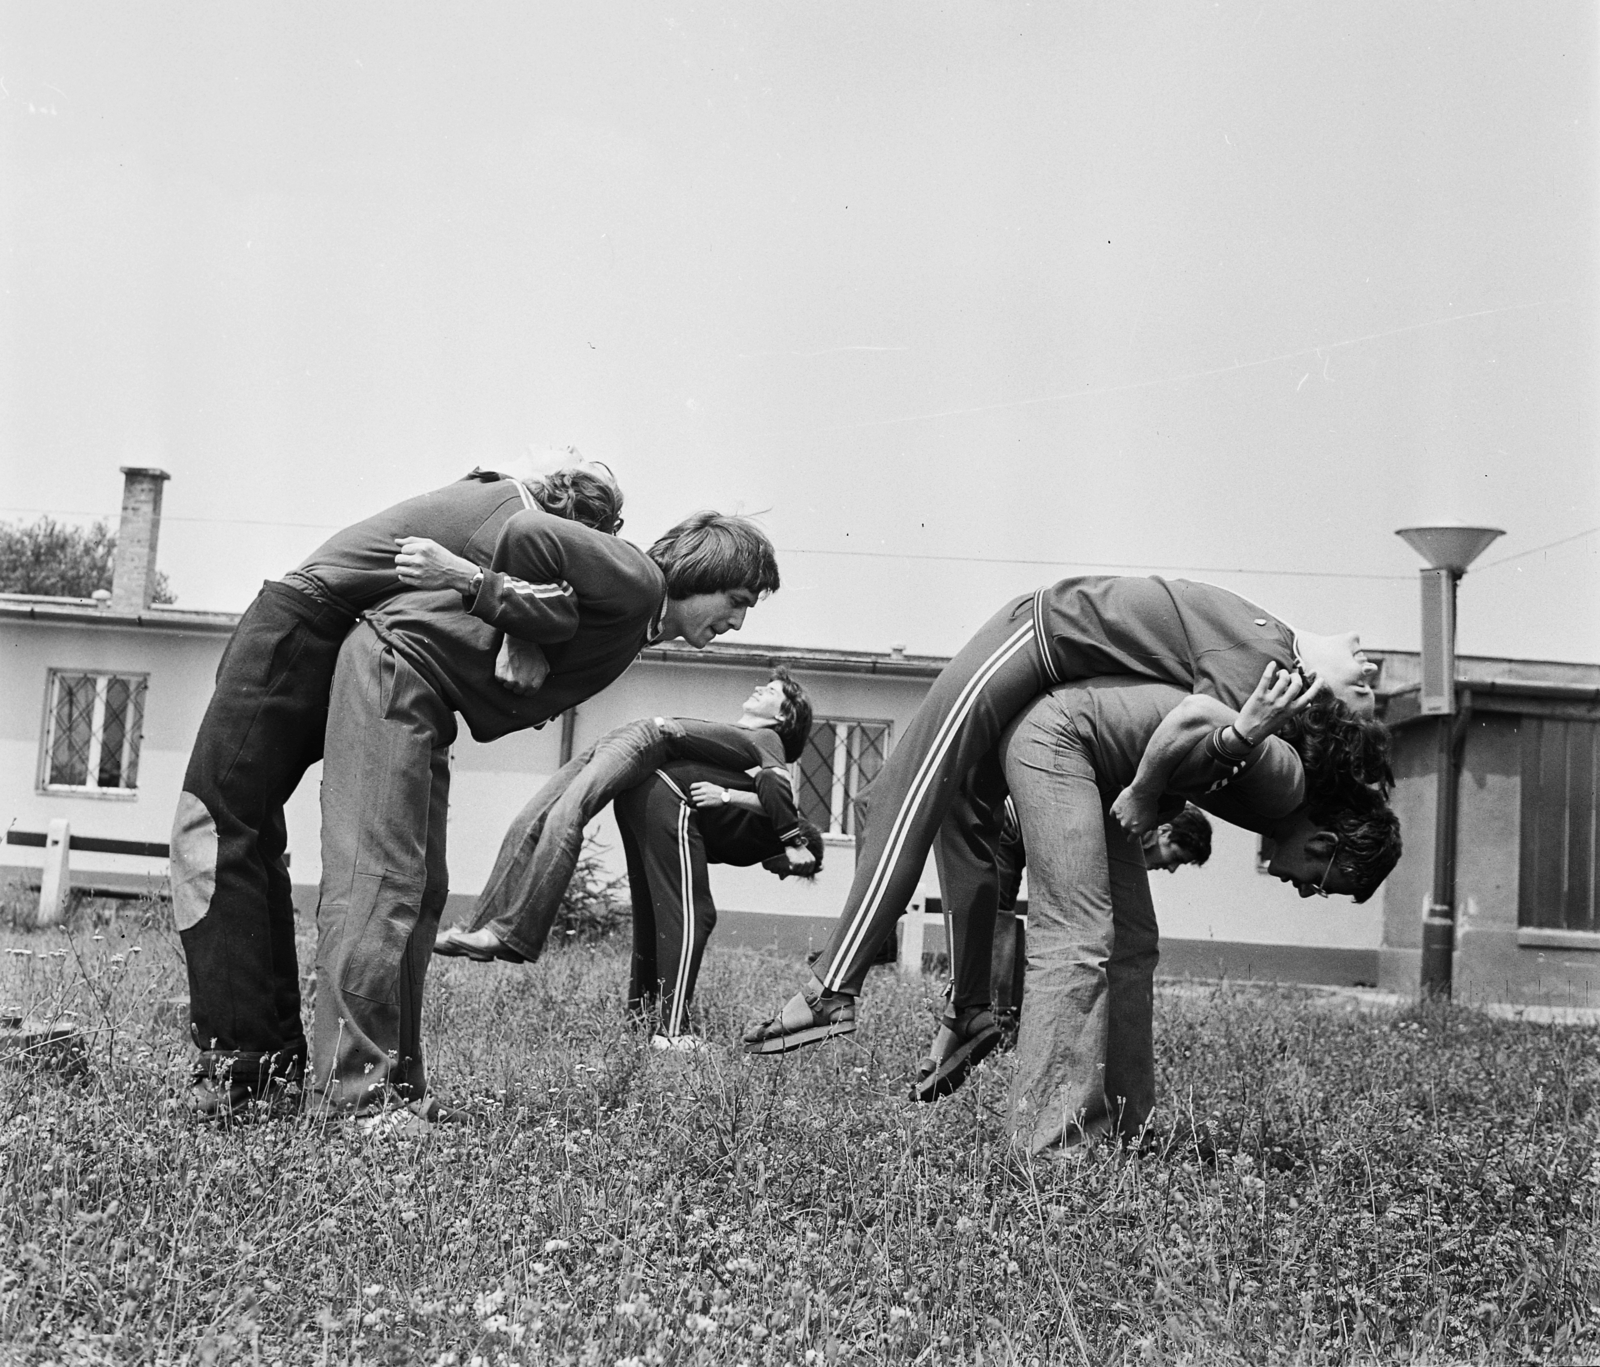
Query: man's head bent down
[717,567]
[1344,849]
[1186,839]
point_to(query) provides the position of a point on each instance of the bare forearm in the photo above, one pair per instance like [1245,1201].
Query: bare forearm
[1182,733]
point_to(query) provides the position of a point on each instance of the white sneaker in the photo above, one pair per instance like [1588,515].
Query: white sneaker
[400,1121]
[679,1044]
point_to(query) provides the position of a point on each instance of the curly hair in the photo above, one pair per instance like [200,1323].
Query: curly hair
[716,553]
[794,722]
[586,493]
[1342,753]
[779,863]
[1369,838]
[1191,832]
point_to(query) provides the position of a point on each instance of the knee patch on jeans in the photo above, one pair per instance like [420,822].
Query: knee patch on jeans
[192,862]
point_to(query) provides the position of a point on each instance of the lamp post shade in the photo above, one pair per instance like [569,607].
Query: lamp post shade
[1449,546]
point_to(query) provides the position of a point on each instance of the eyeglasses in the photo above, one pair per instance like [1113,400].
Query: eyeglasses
[1321,889]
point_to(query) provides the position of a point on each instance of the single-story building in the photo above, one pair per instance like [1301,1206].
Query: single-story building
[105,697]
[1528,830]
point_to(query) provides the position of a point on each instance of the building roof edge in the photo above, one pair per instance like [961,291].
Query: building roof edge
[86,612]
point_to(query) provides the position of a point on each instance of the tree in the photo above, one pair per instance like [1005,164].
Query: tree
[60,561]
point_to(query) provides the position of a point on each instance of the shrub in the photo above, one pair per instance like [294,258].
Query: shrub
[596,904]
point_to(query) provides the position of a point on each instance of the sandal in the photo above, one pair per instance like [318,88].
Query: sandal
[974,1035]
[802,1022]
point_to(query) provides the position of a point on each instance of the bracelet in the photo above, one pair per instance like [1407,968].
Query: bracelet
[1240,736]
[1228,750]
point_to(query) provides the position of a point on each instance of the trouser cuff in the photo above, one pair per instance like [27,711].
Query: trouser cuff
[256,1069]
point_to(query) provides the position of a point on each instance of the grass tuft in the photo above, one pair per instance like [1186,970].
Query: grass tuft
[1386,1185]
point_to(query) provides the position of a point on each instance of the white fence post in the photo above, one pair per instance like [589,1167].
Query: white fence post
[56,881]
[912,927]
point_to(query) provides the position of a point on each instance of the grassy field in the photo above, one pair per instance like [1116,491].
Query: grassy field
[1414,1185]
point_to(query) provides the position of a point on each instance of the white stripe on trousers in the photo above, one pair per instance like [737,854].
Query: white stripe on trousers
[946,735]
[1044,640]
[686,943]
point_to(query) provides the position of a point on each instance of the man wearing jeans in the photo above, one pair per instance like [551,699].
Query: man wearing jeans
[264,728]
[1085,1051]
[403,673]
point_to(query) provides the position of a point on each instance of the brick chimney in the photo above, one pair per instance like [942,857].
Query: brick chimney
[133,576]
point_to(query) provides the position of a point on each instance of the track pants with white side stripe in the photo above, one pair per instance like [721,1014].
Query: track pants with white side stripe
[1196,636]
[997,673]
[673,914]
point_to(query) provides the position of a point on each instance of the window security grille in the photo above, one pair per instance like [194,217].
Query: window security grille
[841,757]
[93,727]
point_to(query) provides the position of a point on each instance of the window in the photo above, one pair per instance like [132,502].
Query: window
[93,726]
[1560,823]
[841,757]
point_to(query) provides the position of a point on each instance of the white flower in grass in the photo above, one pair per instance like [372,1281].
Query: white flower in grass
[556,1245]
[701,1324]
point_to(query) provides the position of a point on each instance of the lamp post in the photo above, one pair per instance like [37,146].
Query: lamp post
[1448,548]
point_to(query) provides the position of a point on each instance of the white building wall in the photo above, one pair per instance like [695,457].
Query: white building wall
[1228,901]
[180,666]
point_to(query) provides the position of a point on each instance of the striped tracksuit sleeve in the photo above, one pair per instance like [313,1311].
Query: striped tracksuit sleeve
[733,747]
[775,792]
[1270,779]
[526,591]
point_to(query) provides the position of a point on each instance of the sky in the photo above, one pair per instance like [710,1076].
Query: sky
[957,299]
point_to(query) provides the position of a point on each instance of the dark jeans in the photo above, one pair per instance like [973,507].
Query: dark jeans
[540,851]
[230,884]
